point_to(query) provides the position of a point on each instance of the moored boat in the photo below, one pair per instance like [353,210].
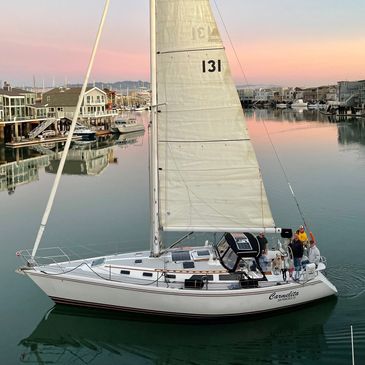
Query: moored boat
[122,126]
[299,103]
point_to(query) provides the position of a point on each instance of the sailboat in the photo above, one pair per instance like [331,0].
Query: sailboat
[204,178]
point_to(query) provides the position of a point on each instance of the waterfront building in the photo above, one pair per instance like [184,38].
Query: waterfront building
[15,103]
[289,94]
[263,95]
[61,102]
[246,95]
[352,93]
[320,93]
[38,110]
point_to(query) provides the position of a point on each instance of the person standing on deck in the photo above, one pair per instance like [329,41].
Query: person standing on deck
[297,250]
[303,236]
[262,241]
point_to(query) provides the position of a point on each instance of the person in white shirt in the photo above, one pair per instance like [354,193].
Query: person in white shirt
[314,256]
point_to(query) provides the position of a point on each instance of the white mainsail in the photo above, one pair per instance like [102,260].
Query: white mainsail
[209,178]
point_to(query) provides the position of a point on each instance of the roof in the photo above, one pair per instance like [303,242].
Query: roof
[9,93]
[64,96]
[15,92]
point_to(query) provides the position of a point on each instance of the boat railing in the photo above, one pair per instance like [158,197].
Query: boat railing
[52,255]
[56,255]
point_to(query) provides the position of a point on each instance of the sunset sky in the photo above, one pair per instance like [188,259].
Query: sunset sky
[282,42]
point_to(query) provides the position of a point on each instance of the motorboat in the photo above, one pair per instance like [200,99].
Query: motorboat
[299,103]
[122,126]
[84,132]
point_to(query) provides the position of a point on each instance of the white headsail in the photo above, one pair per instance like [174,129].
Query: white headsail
[209,178]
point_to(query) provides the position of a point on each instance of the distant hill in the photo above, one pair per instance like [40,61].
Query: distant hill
[118,85]
[257,86]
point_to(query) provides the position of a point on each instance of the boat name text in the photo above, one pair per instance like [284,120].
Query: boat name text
[287,296]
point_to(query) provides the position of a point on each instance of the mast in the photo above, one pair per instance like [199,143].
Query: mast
[69,137]
[154,210]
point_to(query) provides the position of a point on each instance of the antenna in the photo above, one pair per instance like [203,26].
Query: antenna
[352,347]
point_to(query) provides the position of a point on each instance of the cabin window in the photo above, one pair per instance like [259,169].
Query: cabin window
[147,274]
[98,262]
[229,259]
[125,272]
[203,253]
[139,261]
[170,276]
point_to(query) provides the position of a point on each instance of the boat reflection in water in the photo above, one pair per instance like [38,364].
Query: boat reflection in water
[130,138]
[73,335]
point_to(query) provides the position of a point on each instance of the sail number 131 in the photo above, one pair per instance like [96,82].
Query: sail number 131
[212,66]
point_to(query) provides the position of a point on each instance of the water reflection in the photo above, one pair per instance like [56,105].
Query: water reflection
[16,173]
[124,140]
[352,132]
[84,159]
[21,166]
[71,335]
[286,115]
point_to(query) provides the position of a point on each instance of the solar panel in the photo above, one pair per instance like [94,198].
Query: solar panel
[188,265]
[243,244]
[180,256]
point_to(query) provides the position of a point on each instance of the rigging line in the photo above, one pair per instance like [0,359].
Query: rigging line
[230,41]
[69,137]
[286,177]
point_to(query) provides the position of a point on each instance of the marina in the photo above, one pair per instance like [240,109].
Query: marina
[319,333]
[199,218]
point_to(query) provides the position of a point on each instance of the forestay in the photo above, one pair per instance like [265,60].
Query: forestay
[209,178]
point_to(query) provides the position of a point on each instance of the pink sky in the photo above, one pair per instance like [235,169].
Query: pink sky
[276,42]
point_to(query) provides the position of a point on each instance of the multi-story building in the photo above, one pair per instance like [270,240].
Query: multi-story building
[352,93]
[16,103]
[246,95]
[61,102]
[321,93]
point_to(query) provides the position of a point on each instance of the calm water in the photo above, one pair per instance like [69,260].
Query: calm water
[103,204]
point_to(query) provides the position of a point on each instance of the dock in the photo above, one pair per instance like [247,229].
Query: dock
[31,142]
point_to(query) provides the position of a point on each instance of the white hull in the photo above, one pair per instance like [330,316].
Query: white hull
[176,302]
[299,104]
[129,128]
